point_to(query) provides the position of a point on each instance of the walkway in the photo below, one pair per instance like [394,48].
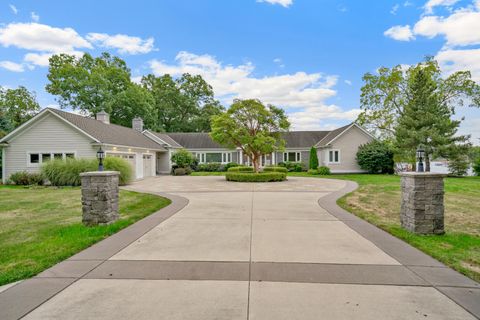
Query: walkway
[247,251]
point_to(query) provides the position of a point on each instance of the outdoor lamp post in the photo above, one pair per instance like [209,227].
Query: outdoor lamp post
[100,157]
[420,157]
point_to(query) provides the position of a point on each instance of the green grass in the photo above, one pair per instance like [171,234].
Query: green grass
[377,200]
[41,226]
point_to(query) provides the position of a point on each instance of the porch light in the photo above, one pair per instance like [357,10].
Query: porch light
[100,157]
[420,157]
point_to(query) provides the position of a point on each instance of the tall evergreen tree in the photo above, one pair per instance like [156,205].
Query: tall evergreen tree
[313,158]
[426,120]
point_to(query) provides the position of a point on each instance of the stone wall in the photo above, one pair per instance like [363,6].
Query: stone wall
[99,197]
[422,207]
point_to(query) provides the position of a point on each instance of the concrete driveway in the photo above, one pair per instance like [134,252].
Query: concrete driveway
[227,250]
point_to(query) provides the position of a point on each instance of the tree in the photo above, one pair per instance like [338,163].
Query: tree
[313,159]
[184,104]
[476,166]
[94,84]
[426,119]
[183,158]
[384,96]
[458,165]
[375,157]
[251,126]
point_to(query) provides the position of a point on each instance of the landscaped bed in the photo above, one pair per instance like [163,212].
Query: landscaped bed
[41,226]
[377,200]
[246,174]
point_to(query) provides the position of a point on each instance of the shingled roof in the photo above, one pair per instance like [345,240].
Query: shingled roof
[332,135]
[303,139]
[194,140]
[166,138]
[109,133]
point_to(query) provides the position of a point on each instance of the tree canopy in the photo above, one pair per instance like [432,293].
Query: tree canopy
[385,96]
[16,106]
[251,126]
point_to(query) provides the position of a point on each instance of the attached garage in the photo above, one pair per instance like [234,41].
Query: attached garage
[127,156]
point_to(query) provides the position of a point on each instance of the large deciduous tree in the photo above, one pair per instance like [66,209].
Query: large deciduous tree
[16,106]
[426,119]
[251,126]
[183,104]
[385,95]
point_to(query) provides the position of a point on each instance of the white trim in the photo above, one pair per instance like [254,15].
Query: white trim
[339,156]
[353,125]
[128,147]
[201,156]
[52,153]
[152,136]
[297,153]
[4,169]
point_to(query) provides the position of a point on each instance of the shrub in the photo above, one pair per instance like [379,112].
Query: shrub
[458,165]
[293,166]
[375,157]
[324,171]
[313,159]
[255,177]
[180,171]
[210,167]
[275,169]
[241,169]
[183,158]
[67,173]
[476,167]
[120,165]
[25,178]
[231,165]
[312,171]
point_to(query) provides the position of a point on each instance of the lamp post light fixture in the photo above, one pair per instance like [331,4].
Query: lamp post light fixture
[100,157]
[420,157]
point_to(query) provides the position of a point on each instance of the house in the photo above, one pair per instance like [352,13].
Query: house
[56,134]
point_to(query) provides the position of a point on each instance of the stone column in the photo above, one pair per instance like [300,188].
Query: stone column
[99,197]
[422,208]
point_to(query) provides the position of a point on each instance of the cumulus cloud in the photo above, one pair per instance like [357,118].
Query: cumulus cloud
[35,17]
[123,43]
[305,93]
[283,3]
[41,37]
[438,3]
[452,60]
[400,33]
[12,66]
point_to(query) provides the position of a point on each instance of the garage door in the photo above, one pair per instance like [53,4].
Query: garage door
[147,165]
[129,157]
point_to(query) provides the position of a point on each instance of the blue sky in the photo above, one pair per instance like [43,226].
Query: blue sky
[305,56]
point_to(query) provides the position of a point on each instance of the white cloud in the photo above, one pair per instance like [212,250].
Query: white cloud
[395,9]
[283,3]
[41,59]
[400,33]
[460,28]
[123,43]
[12,66]
[35,17]
[348,82]
[452,60]
[303,92]
[41,37]
[312,118]
[438,3]
[13,8]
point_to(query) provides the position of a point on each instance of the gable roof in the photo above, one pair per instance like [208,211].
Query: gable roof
[109,133]
[334,134]
[303,139]
[194,140]
[165,138]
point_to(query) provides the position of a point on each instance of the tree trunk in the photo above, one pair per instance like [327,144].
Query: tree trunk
[255,163]
[427,162]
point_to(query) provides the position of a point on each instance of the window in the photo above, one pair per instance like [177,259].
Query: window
[69,155]
[34,158]
[226,157]
[334,156]
[213,157]
[46,157]
[291,157]
[58,156]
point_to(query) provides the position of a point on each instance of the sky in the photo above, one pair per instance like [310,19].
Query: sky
[306,56]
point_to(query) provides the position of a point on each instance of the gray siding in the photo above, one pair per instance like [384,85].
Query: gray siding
[48,134]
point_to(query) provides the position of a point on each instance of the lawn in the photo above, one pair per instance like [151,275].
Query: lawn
[377,200]
[41,226]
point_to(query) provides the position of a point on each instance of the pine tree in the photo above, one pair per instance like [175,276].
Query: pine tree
[426,120]
[313,159]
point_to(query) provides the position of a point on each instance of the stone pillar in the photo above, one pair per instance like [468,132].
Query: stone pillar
[99,197]
[422,208]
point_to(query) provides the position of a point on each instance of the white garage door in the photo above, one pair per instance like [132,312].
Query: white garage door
[147,165]
[129,157]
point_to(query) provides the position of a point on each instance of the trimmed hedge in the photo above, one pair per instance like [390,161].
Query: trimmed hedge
[275,169]
[255,177]
[67,173]
[241,169]
[210,167]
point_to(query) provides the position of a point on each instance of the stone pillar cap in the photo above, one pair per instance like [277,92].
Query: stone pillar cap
[422,174]
[100,173]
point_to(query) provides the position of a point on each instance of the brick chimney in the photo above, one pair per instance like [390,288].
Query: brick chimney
[103,116]
[137,124]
